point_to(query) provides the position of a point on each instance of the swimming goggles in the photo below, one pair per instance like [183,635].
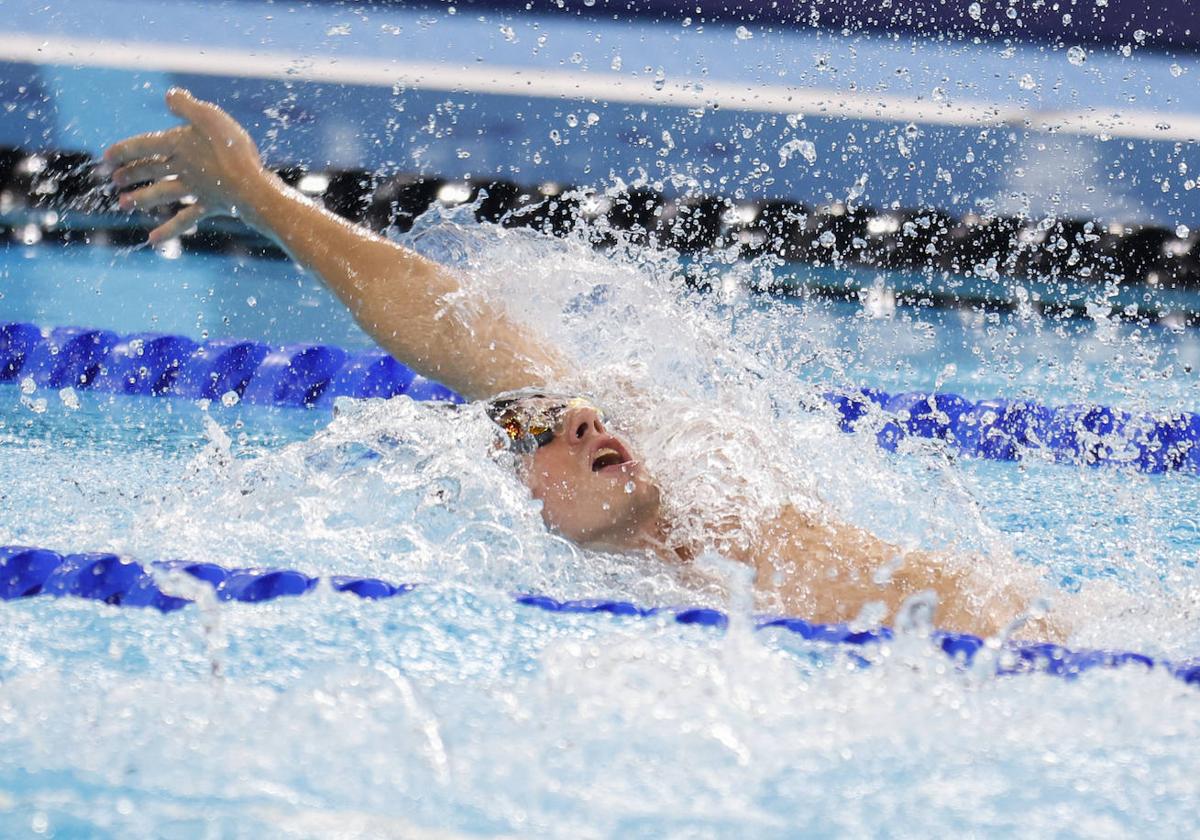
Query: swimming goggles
[532,419]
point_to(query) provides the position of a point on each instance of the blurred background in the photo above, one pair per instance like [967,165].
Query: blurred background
[1074,108]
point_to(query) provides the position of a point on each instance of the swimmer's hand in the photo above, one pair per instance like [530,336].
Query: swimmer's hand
[418,310]
[209,163]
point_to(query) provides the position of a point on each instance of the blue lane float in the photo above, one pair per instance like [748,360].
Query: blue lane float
[216,368]
[313,375]
[151,364]
[26,572]
[1007,430]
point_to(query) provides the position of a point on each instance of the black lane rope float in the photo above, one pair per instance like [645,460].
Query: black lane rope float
[59,196]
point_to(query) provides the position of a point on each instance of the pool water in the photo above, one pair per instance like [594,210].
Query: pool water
[453,711]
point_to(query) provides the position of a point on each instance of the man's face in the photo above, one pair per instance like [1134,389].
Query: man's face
[591,488]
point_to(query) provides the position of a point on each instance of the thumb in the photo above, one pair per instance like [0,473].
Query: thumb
[203,115]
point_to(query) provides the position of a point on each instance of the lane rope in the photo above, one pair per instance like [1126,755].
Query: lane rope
[27,572]
[314,375]
[59,195]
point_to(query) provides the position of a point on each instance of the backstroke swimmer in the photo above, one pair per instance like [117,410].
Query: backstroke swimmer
[590,483]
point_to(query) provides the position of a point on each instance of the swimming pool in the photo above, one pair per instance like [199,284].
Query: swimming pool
[454,709]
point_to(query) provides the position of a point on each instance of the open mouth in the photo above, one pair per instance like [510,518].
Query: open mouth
[610,456]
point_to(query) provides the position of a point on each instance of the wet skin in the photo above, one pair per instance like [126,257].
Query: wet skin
[592,488]
[805,565]
[594,491]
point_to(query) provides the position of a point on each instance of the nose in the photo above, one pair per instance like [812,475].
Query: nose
[581,423]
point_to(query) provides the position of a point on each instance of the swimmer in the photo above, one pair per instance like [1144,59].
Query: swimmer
[591,485]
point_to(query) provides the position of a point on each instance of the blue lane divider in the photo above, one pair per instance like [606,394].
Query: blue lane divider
[148,364]
[144,364]
[68,356]
[219,367]
[25,572]
[313,375]
[1005,430]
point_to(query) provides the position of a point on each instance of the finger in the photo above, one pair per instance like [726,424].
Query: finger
[178,224]
[141,171]
[205,115]
[155,195]
[154,144]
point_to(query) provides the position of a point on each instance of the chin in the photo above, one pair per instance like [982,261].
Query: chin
[640,509]
[634,514]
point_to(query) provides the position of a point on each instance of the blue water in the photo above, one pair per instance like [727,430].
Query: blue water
[1049,359]
[453,710]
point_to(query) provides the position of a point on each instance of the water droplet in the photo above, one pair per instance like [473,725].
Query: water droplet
[743,34]
[1176,70]
[593,118]
[463,154]
[916,615]
[857,189]
[975,11]
[615,64]
[28,386]
[871,616]
[827,239]
[1077,55]
[1182,231]
[252,301]
[572,120]
[1026,82]
[1011,13]
[509,33]
[630,486]
[230,398]
[71,400]
[1140,36]
[660,80]
[805,148]
[577,58]
[340,30]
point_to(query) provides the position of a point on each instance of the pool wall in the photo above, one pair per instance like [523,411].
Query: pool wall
[1030,130]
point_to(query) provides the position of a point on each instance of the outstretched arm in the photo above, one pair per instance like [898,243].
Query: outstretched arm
[413,307]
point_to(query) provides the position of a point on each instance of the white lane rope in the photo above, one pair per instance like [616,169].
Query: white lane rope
[593,87]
